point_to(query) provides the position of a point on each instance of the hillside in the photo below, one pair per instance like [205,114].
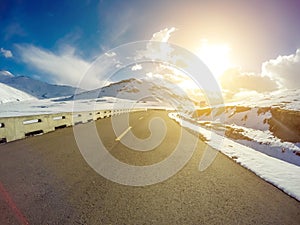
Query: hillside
[36,88]
[140,90]
[269,124]
[9,94]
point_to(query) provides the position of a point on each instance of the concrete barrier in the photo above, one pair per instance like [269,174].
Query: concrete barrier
[14,128]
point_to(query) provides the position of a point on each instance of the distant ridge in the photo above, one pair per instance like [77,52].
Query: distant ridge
[138,90]
[36,88]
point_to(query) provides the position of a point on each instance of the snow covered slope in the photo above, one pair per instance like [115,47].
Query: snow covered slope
[140,90]
[268,123]
[283,99]
[9,94]
[34,87]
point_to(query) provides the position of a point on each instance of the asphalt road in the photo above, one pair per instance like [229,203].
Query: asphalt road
[45,180]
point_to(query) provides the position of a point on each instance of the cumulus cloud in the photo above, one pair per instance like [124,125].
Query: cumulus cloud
[64,68]
[157,51]
[284,69]
[6,53]
[163,35]
[110,54]
[235,81]
[165,72]
[136,67]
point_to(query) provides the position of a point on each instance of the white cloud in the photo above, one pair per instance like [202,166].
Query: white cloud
[154,76]
[136,67]
[6,53]
[236,81]
[65,68]
[163,35]
[110,54]
[158,51]
[284,69]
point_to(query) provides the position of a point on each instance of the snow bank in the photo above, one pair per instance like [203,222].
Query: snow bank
[283,175]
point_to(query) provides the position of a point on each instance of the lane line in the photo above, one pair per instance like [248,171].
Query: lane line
[18,214]
[123,134]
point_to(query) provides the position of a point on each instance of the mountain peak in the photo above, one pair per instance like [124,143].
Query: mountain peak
[36,88]
[6,73]
[138,90]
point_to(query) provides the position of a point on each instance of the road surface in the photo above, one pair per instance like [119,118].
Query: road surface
[45,180]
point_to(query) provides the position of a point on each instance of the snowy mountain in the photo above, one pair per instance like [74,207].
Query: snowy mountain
[140,90]
[9,94]
[34,87]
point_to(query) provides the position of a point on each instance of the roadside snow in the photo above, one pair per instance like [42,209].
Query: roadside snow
[262,141]
[284,175]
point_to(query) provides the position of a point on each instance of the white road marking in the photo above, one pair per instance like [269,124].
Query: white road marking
[123,134]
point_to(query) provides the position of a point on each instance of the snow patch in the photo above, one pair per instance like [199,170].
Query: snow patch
[284,175]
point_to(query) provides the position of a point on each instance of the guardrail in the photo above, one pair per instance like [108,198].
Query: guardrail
[14,128]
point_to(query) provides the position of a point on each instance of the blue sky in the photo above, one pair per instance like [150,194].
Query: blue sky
[256,31]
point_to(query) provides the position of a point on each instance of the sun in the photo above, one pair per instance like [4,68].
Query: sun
[215,56]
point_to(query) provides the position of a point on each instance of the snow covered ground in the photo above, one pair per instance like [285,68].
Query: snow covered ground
[9,94]
[284,99]
[284,175]
[261,140]
[51,106]
[268,123]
